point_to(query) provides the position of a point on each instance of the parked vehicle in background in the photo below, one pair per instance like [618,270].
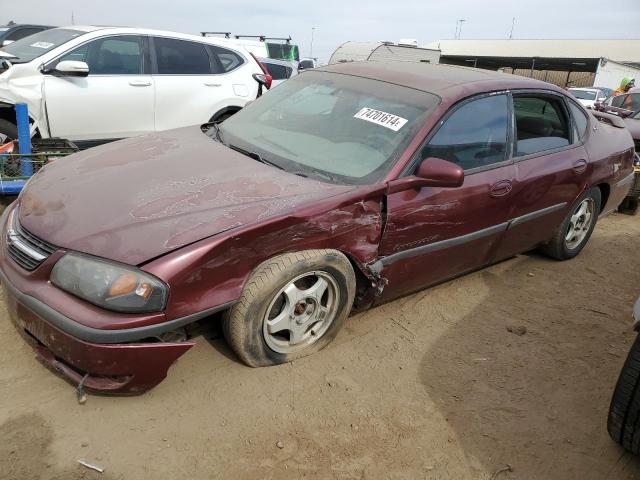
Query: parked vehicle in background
[332,192]
[104,83]
[607,91]
[306,64]
[624,413]
[588,96]
[280,70]
[11,33]
[277,48]
[627,106]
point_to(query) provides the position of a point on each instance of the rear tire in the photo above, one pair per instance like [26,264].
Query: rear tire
[8,131]
[574,232]
[623,423]
[292,305]
[629,206]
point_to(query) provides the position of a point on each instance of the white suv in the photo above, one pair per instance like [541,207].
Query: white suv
[96,84]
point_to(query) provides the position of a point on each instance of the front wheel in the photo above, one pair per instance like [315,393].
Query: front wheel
[623,423]
[574,232]
[8,131]
[291,306]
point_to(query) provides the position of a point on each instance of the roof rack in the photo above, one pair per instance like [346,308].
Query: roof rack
[262,38]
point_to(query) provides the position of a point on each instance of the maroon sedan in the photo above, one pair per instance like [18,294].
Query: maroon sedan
[343,188]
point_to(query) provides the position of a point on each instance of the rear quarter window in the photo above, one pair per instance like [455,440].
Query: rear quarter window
[228,60]
[580,120]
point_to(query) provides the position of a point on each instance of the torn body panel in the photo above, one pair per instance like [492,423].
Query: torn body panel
[20,84]
[213,271]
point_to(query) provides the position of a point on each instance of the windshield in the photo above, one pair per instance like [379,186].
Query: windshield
[33,46]
[584,94]
[330,126]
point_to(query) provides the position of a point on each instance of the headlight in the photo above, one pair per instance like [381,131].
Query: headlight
[109,285]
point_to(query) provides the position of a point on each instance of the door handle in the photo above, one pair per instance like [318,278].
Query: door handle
[579,166]
[501,188]
[212,84]
[139,83]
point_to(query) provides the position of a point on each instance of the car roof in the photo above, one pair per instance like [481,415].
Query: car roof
[21,25]
[160,33]
[585,89]
[439,79]
[278,61]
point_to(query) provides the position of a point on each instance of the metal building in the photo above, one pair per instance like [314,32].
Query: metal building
[383,52]
[579,63]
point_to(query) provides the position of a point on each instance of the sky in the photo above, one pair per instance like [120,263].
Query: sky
[337,21]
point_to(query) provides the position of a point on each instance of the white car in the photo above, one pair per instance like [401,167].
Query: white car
[588,96]
[96,84]
[280,70]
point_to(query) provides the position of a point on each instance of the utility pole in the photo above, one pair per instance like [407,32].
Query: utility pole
[73,20]
[462,20]
[455,35]
[313,29]
[513,22]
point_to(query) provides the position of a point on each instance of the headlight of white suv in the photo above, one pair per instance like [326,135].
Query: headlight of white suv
[109,285]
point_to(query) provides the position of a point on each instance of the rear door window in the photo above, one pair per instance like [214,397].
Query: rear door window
[180,57]
[541,124]
[228,60]
[474,135]
[580,120]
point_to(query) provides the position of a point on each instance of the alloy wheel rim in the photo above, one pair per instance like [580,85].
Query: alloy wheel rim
[301,312]
[579,223]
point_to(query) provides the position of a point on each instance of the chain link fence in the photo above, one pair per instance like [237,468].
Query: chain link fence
[16,166]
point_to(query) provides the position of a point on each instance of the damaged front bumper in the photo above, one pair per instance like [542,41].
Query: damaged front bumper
[123,368]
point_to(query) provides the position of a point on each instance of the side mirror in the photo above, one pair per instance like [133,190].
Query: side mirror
[72,68]
[432,172]
[6,42]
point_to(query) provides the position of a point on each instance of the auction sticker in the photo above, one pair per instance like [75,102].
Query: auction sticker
[45,45]
[384,119]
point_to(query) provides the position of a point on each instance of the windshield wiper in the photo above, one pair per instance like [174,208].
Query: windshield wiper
[207,127]
[255,156]
[305,173]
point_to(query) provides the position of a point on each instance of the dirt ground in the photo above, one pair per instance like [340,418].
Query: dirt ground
[434,385]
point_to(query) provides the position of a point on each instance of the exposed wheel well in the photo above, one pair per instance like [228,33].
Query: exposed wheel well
[363,284]
[8,113]
[225,112]
[605,189]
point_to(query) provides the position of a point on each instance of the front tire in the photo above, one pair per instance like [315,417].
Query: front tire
[576,229]
[623,423]
[8,131]
[629,206]
[291,306]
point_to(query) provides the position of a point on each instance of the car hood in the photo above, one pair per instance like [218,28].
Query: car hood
[136,199]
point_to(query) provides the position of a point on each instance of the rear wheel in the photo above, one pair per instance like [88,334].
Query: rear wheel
[629,206]
[574,232]
[291,306]
[8,131]
[623,423]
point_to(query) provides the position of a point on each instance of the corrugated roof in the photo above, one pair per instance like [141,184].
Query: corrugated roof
[626,51]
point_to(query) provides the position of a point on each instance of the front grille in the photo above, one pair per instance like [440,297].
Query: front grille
[637,144]
[25,248]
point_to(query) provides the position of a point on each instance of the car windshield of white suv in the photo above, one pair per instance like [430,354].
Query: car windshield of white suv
[33,46]
[333,127]
[584,94]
